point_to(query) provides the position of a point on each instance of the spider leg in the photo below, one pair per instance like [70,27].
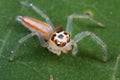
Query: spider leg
[22,40]
[39,11]
[69,27]
[84,34]
[75,48]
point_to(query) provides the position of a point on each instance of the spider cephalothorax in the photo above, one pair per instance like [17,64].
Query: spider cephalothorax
[60,38]
[60,41]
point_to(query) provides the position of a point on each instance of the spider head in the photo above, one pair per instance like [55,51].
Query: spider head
[60,38]
[60,41]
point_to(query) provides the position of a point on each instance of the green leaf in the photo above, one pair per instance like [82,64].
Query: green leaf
[34,62]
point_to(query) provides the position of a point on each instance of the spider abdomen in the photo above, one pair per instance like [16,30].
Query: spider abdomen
[35,25]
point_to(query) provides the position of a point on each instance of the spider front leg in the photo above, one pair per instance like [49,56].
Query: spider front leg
[25,38]
[69,27]
[40,12]
[84,34]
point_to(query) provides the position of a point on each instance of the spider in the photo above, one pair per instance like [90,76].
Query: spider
[56,40]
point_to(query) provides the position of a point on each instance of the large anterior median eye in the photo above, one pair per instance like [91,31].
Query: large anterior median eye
[60,38]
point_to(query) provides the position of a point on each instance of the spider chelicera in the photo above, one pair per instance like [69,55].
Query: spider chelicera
[56,40]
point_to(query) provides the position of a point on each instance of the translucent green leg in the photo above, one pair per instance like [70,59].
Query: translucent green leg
[69,26]
[84,34]
[22,40]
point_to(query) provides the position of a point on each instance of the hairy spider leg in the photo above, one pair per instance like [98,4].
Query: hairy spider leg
[84,34]
[40,12]
[69,26]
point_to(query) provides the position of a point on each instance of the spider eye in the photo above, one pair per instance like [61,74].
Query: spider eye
[65,33]
[60,38]
[53,36]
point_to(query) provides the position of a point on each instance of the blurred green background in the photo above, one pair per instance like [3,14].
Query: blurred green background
[34,62]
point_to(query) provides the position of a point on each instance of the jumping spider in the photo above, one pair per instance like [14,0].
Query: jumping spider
[56,40]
